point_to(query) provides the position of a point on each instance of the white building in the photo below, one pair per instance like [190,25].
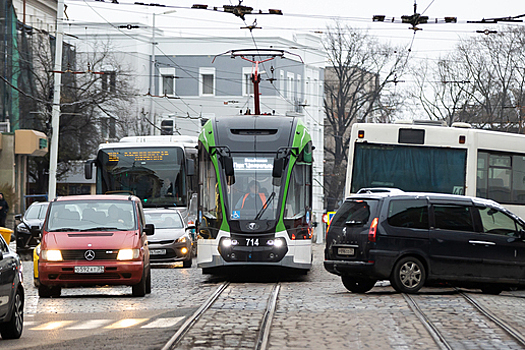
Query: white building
[190,81]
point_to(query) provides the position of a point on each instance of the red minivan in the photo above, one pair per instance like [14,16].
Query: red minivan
[94,240]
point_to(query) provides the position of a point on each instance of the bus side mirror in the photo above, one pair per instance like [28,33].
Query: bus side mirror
[278,165]
[190,167]
[88,169]
[227,164]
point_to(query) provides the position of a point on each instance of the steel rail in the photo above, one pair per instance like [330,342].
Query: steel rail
[502,324]
[266,324]
[439,339]
[176,338]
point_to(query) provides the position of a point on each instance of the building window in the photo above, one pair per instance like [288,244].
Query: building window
[167,81]
[247,88]
[207,81]
[290,91]
[109,81]
[281,82]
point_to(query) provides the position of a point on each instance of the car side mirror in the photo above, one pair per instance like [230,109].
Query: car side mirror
[191,227]
[149,229]
[521,234]
[18,217]
[88,169]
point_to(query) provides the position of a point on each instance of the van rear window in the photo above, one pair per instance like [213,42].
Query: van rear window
[410,213]
[356,212]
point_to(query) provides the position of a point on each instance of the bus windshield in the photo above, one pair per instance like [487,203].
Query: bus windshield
[253,196]
[155,175]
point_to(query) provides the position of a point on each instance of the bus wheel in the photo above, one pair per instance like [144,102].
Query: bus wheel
[356,285]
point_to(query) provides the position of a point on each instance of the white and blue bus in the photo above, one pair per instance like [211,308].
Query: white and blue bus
[431,158]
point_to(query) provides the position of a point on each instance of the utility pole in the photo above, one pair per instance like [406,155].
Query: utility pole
[55,116]
[152,72]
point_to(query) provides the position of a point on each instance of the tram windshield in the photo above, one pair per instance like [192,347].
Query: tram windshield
[253,196]
[155,175]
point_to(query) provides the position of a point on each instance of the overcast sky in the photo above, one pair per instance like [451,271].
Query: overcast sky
[306,16]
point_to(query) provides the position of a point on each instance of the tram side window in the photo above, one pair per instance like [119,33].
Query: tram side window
[297,192]
[209,194]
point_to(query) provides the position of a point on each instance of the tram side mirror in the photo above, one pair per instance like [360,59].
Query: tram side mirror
[227,164]
[190,167]
[88,169]
[278,165]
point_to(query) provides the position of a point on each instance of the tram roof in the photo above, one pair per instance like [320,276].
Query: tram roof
[251,133]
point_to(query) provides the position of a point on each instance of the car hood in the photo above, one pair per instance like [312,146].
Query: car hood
[93,240]
[162,234]
[33,222]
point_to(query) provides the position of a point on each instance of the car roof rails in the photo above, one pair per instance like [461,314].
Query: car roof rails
[370,190]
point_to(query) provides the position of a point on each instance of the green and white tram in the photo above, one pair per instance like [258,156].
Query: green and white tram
[255,177]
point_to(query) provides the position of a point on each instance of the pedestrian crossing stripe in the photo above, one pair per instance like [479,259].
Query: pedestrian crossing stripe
[163,322]
[104,323]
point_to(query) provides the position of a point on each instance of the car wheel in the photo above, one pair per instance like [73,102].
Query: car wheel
[139,289]
[49,292]
[356,285]
[493,289]
[187,263]
[13,328]
[408,275]
[148,282]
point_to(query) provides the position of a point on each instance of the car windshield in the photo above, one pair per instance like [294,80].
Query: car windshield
[164,219]
[91,215]
[36,211]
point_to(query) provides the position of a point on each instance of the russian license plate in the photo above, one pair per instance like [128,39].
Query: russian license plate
[345,251]
[89,269]
[157,252]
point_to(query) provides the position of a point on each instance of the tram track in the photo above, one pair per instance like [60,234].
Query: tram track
[445,339]
[263,333]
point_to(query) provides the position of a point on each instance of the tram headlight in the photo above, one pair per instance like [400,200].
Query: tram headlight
[277,243]
[226,242]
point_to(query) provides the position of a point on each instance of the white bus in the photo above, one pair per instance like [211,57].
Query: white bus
[431,158]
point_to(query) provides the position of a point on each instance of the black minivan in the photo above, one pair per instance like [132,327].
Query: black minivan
[417,239]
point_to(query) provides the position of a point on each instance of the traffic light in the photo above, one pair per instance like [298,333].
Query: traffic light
[166,127]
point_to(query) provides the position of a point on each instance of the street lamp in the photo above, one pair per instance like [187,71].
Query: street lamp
[152,67]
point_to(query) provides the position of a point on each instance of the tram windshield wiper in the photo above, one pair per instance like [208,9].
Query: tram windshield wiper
[265,206]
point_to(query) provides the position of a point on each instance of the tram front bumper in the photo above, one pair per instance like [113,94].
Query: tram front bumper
[233,251]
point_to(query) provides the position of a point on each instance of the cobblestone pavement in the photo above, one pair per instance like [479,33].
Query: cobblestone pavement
[313,312]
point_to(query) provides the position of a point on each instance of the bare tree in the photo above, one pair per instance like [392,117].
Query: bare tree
[91,102]
[360,72]
[480,83]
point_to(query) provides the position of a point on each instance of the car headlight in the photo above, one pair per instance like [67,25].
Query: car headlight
[51,255]
[128,254]
[23,228]
[182,239]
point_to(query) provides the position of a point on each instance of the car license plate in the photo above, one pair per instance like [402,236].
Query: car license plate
[89,269]
[345,251]
[157,252]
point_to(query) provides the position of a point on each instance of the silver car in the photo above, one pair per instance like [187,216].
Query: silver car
[171,240]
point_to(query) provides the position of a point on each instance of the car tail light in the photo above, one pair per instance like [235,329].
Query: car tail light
[372,232]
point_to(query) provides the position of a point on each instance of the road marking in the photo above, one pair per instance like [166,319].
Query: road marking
[51,325]
[29,323]
[163,322]
[91,324]
[126,323]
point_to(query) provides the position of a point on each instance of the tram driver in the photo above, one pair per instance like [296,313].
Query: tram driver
[253,199]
